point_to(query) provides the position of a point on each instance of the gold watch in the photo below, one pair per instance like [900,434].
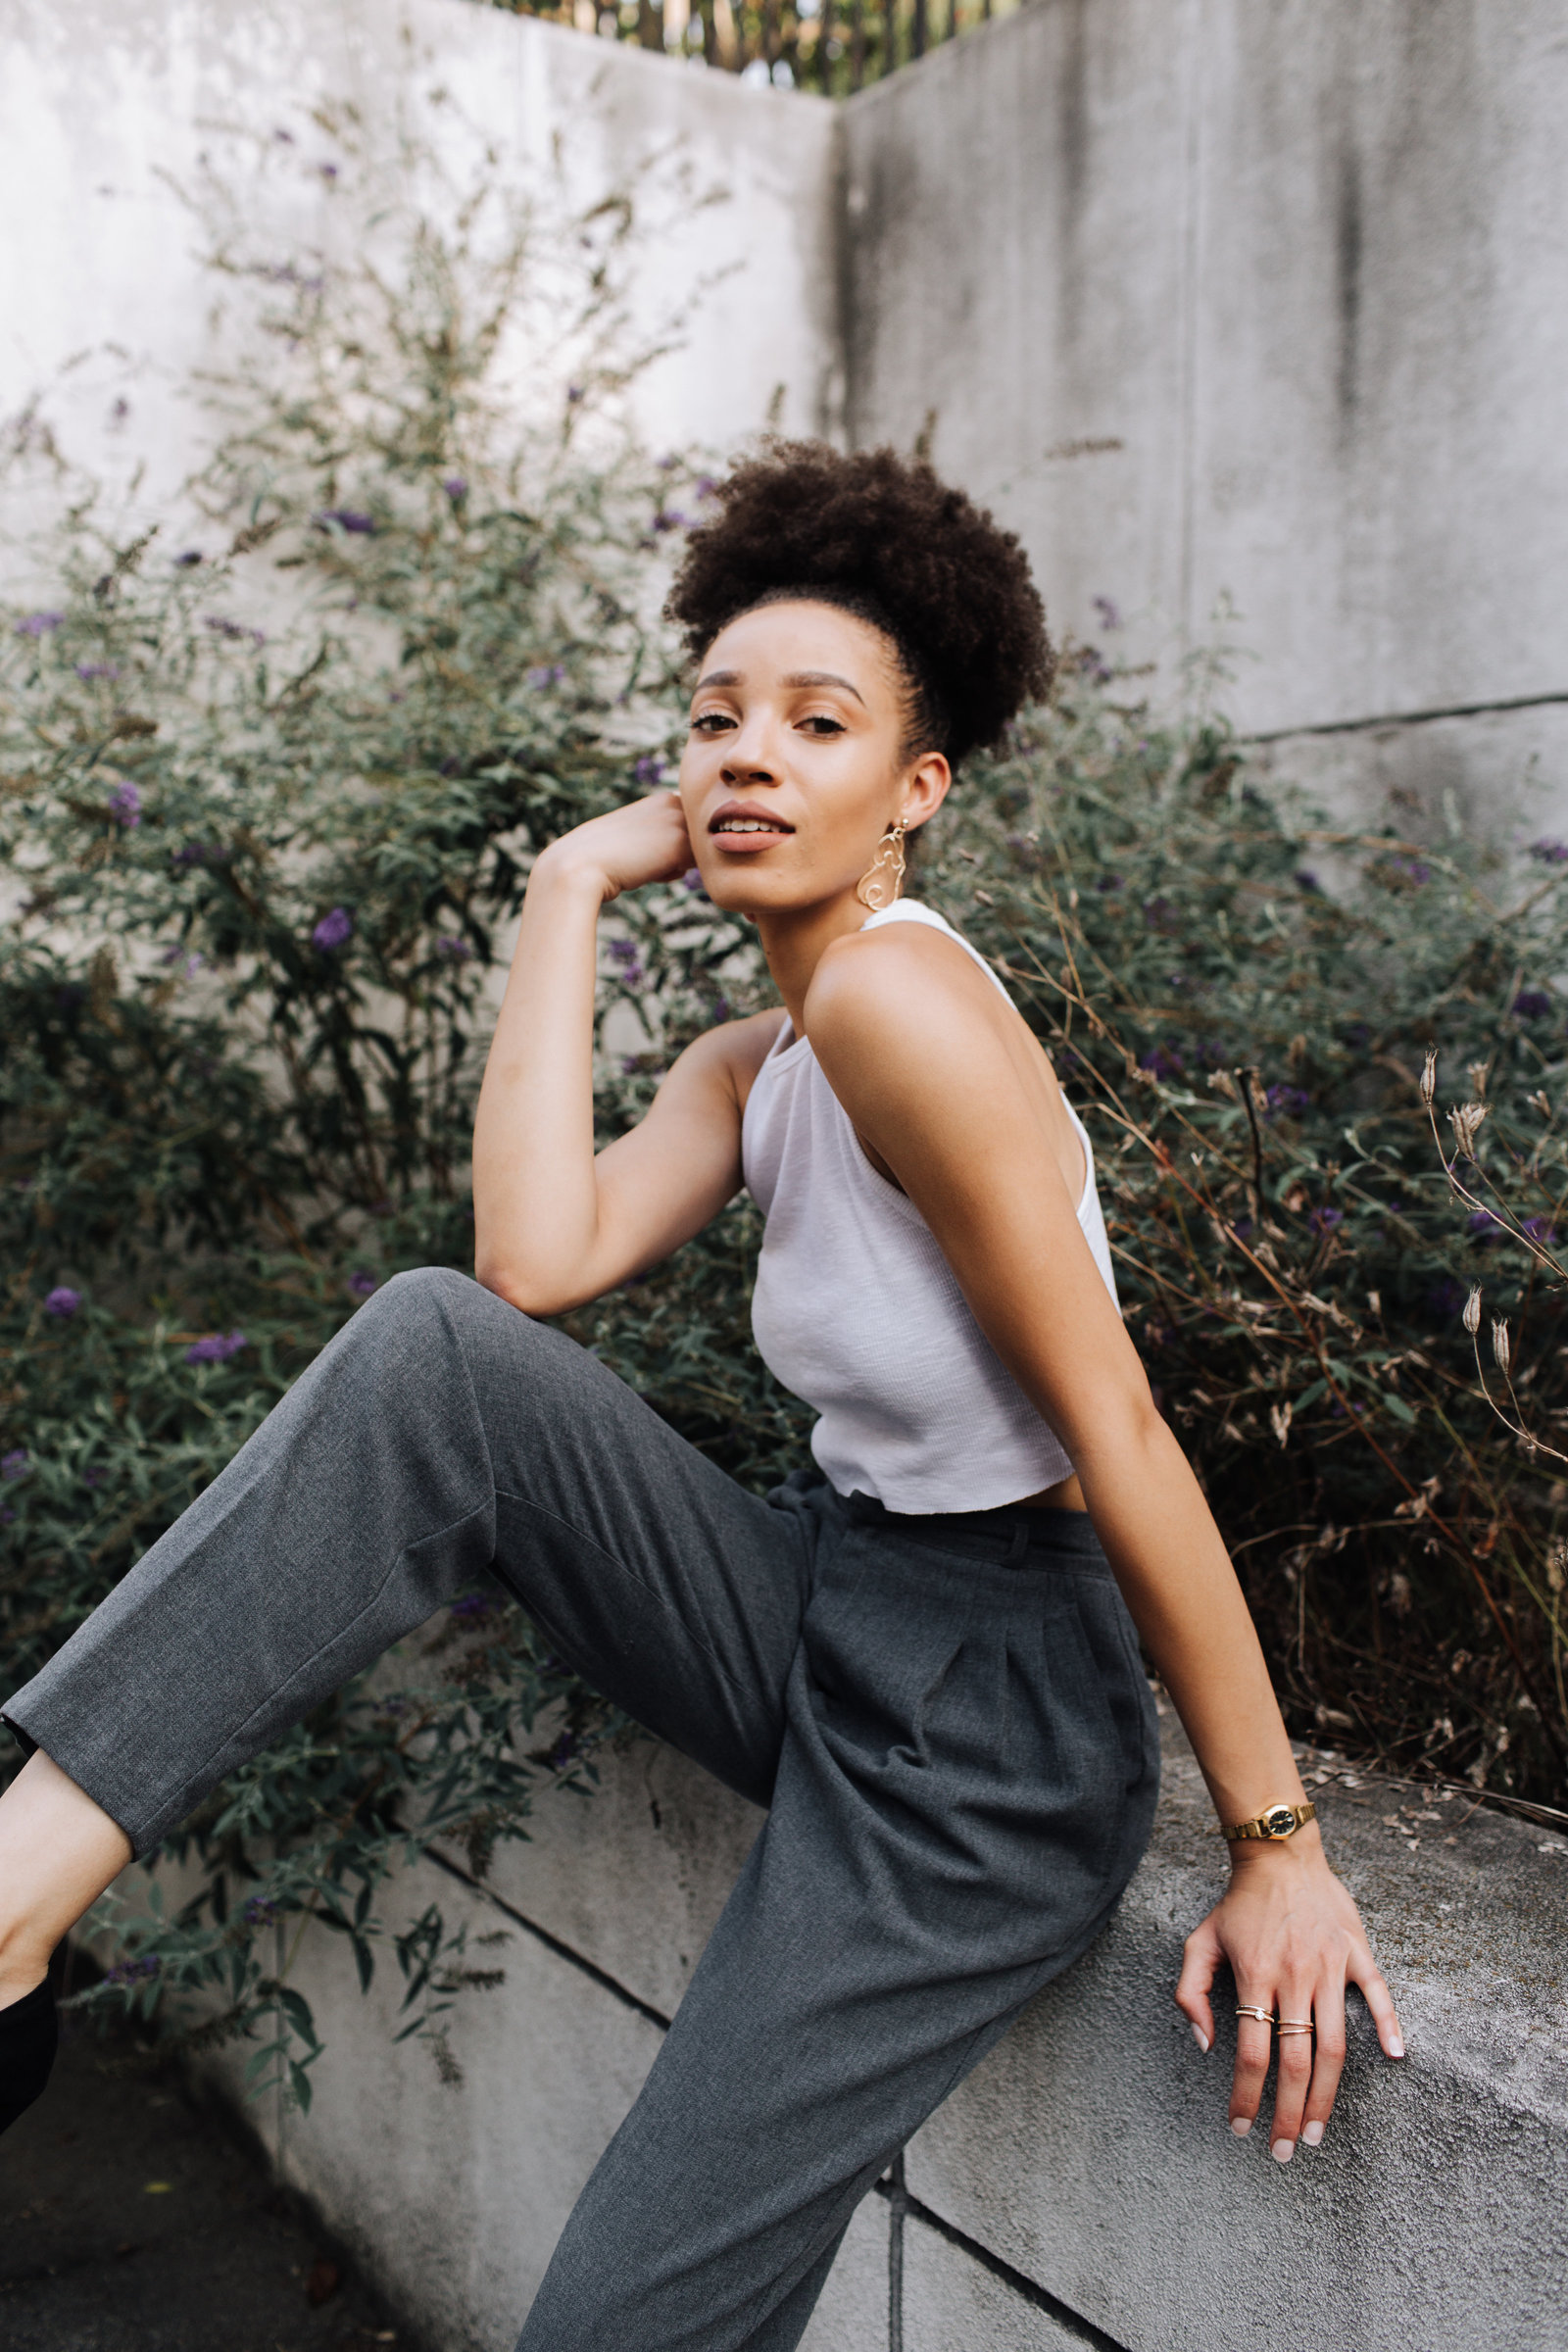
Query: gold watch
[1275,1821]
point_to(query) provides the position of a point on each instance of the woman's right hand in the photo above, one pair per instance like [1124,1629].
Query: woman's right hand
[646,841]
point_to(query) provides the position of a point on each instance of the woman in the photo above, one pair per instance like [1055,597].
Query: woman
[918,1656]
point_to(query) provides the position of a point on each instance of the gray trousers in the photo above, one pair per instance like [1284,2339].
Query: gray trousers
[945,1716]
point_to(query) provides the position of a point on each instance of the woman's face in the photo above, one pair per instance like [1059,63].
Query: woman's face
[794,768]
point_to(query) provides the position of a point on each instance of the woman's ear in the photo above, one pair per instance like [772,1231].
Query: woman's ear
[925,790]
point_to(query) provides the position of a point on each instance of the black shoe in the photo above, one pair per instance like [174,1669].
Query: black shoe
[30,2036]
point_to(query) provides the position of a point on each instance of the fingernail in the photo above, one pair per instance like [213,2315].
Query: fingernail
[1283,2150]
[1395,2048]
[1312,2135]
[1200,2037]
[1241,2125]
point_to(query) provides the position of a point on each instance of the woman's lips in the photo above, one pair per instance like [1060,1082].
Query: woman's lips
[746,830]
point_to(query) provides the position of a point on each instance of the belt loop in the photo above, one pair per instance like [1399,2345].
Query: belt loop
[1017,1550]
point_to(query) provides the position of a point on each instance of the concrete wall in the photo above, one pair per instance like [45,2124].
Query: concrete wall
[110,110]
[1257,298]
[1082,2185]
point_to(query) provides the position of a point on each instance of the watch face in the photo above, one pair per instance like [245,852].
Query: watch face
[1279,1821]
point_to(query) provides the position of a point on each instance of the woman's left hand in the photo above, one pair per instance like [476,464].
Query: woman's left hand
[1294,1940]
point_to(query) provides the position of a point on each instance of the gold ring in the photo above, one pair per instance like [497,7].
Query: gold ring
[1265,2016]
[1294,2025]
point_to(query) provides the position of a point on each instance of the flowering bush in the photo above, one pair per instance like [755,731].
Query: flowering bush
[1295,1257]
[271,776]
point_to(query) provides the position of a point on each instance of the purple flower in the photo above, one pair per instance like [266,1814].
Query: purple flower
[453,949]
[347,519]
[39,624]
[1414,870]
[623,950]
[1532,1003]
[16,1464]
[455,487]
[259,1912]
[133,1971]
[1306,880]
[1324,1220]
[61,1302]
[1541,1231]
[1108,882]
[360,1283]
[119,410]
[1446,1297]
[285,138]
[649,767]
[7,1517]
[215,1348]
[328,172]
[189,966]
[575,392]
[333,929]
[94,1476]
[669,518]
[97,669]
[1160,914]
[474,1606]
[1162,1060]
[125,804]
[1109,609]
[1242,1229]
[233,629]
[692,880]
[199,853]
[1292,1101]
[1482,1222]
[1549,853]
[706,486]
[549,674]
[189,559]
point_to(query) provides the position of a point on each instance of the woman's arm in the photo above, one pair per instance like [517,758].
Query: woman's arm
[922,1053]
[553,1224]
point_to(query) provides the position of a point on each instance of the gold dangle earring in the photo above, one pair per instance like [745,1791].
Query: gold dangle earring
[883,878]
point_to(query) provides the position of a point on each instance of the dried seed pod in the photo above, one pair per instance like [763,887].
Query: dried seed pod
[1499,1344]
[1472,1312]
[1466,1123]
[1428,1074]
[1279,1420]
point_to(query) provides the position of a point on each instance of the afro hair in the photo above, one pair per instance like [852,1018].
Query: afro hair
[882,537]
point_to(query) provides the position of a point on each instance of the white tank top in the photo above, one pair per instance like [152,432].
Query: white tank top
[857,1310]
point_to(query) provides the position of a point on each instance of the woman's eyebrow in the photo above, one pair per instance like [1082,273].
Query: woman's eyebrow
[718,677]
[824,678]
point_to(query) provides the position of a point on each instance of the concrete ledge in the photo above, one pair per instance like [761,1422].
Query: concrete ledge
[1082,2187]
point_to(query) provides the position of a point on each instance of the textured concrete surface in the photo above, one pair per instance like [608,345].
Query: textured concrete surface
[130,2223]
[1262,300]
[105,295]
[1083,2179]
[953,2304]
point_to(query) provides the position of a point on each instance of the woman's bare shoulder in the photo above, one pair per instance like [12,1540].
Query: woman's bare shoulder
[903,971]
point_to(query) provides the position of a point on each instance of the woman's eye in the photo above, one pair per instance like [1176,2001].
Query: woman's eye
[820,724]
[712,723]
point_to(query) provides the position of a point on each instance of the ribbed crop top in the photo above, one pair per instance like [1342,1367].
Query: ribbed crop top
[857,1310]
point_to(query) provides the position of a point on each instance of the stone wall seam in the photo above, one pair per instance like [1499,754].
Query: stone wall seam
[1410,719]
[551,1944]
[908,2209]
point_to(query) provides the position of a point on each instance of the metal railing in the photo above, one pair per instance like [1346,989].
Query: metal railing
[836,46]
